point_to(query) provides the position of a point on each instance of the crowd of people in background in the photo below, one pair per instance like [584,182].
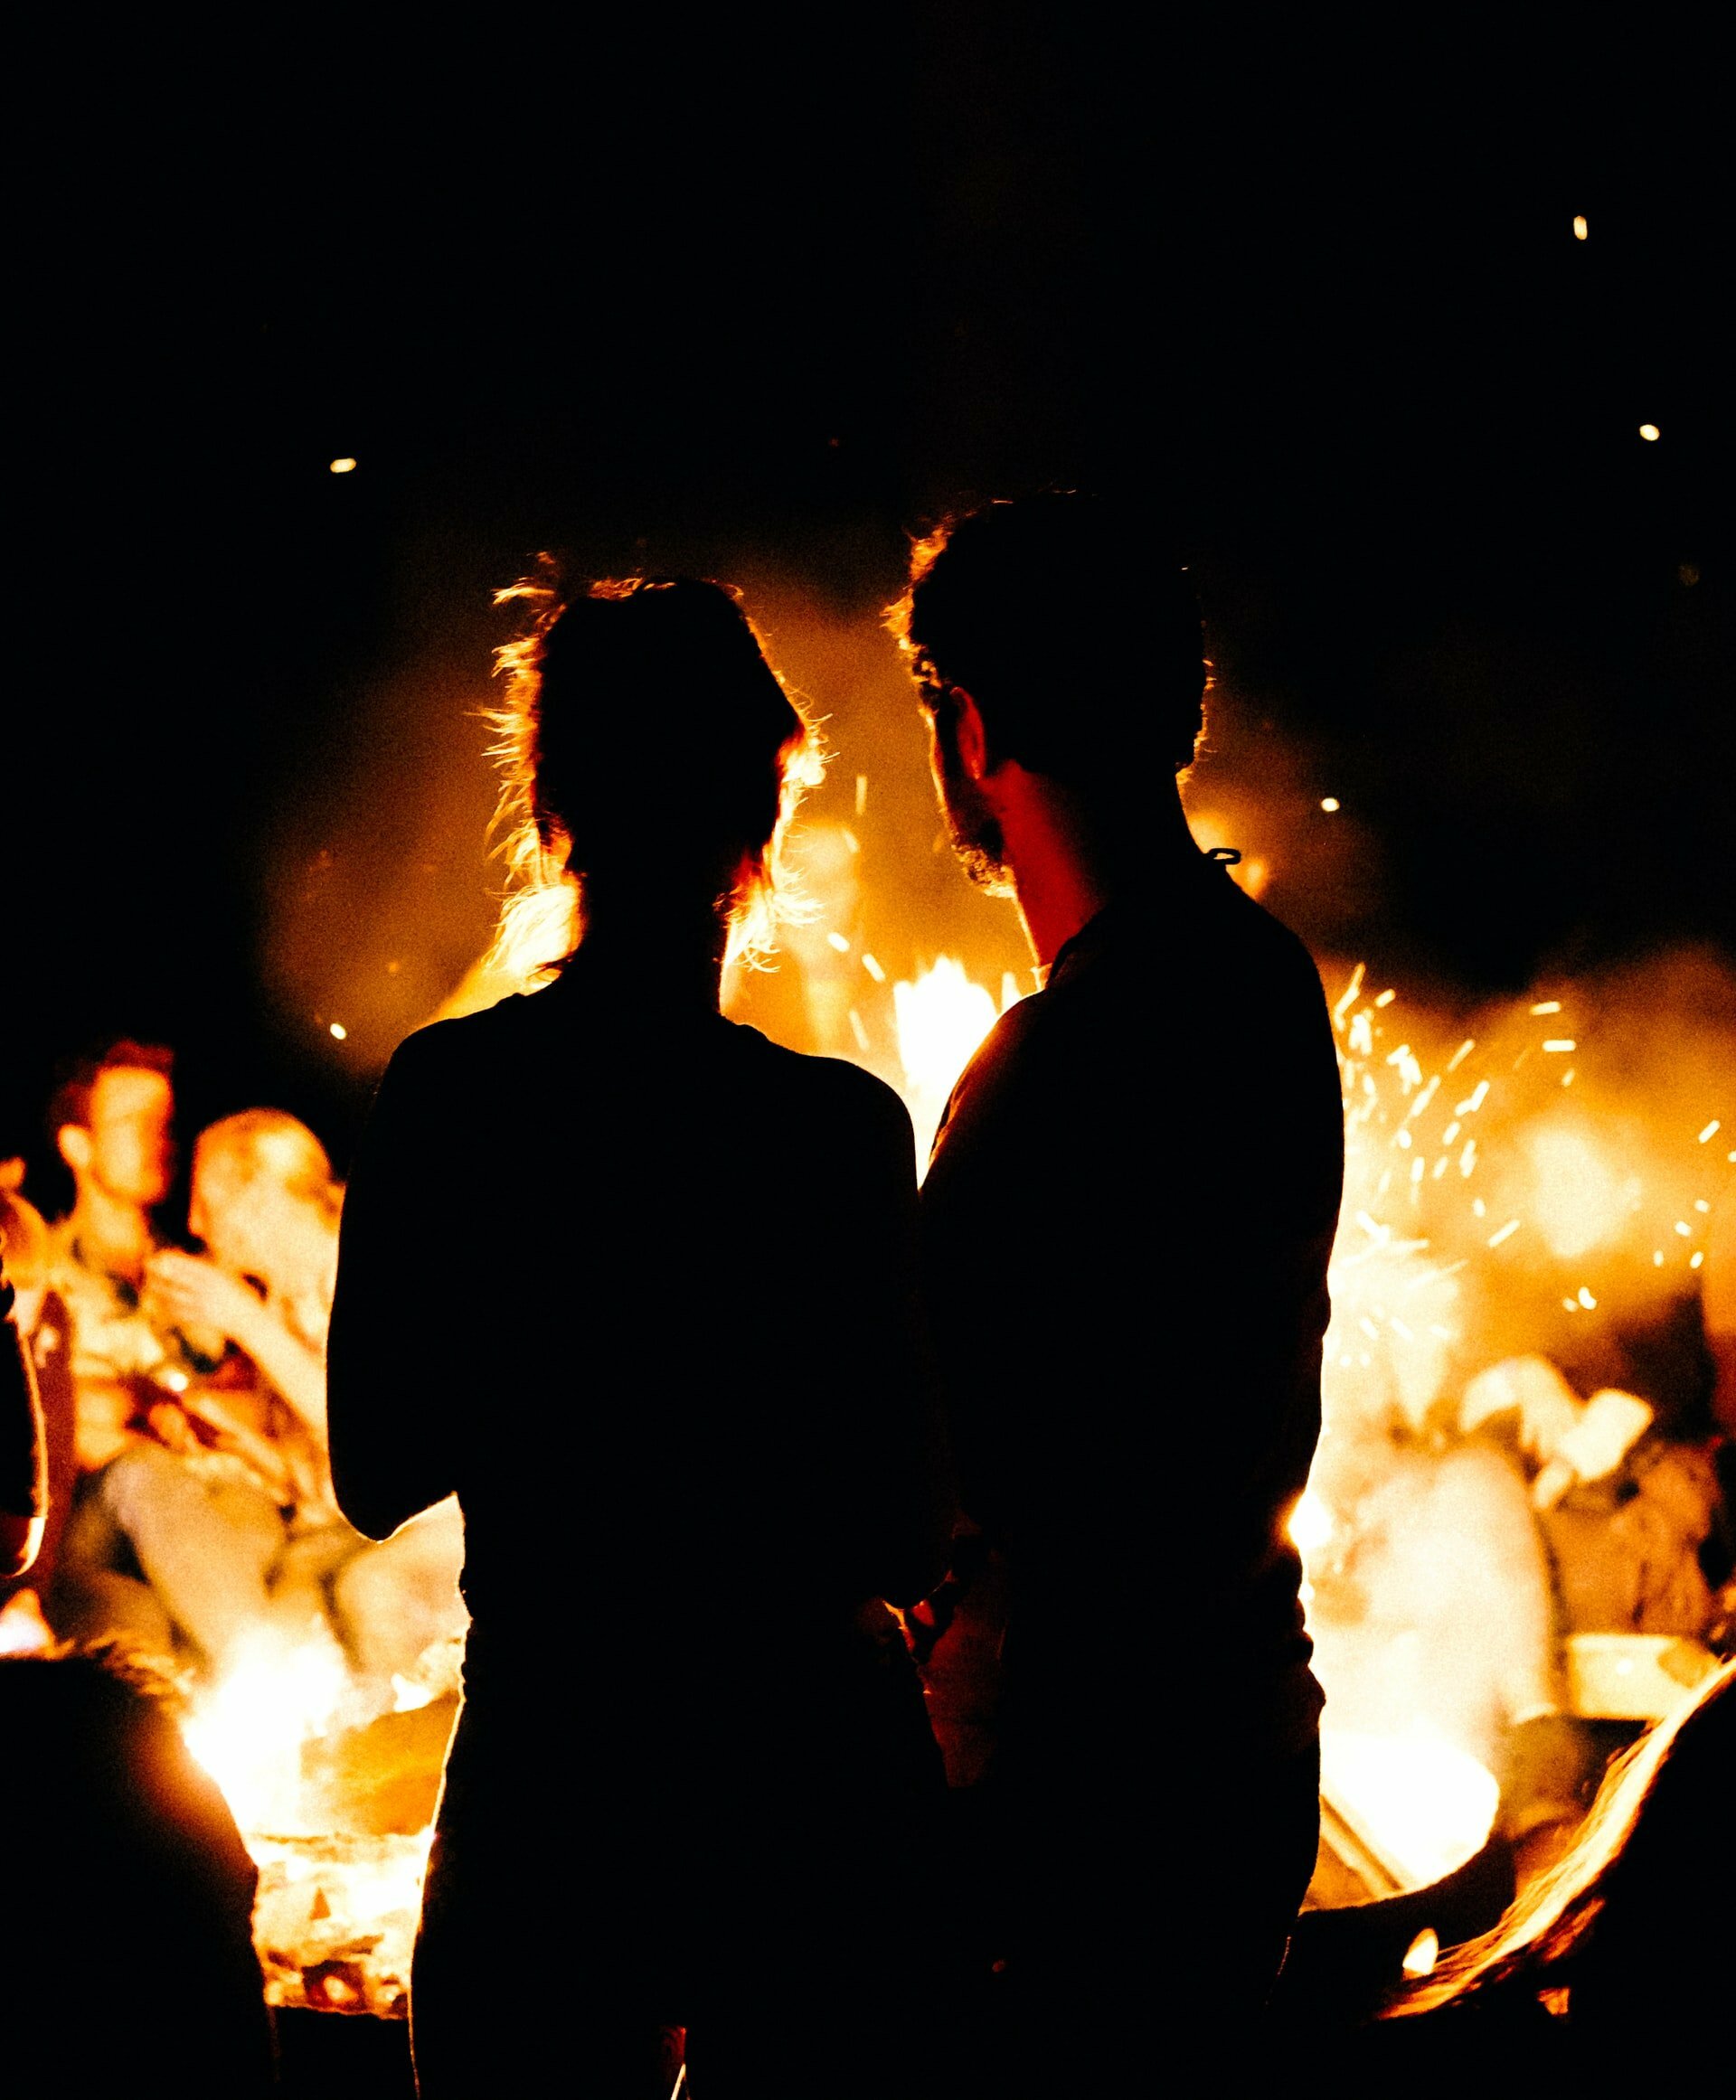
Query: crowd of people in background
[191,1511]
[637,1451]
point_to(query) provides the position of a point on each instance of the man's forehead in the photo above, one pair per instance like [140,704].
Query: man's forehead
[123,1091]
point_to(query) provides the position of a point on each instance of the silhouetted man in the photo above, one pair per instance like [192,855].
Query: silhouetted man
[1127,1219]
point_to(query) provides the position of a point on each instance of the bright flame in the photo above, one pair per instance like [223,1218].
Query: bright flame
[1422,1805]
[1422,1954]
[1310,1524]
[343,466]
[1650,432]
[1581,231]
[1329,802]
[941,1020]
[339,1030]
[248,1730]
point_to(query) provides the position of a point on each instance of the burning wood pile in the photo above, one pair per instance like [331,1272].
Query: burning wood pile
[337,1813]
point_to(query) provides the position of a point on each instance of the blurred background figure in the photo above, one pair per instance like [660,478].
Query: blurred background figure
[37,1466]
[225,1510]
[129,1965]
[24,1453]
[110,1120]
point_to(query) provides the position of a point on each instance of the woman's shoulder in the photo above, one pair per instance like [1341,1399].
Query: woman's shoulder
[444,1047]
[829,1086]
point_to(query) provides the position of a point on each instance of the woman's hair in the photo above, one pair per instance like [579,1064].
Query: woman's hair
[648,748]
[266,1145]
[1616,1910]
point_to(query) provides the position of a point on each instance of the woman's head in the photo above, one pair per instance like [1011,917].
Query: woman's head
[261,1185]
[651,752]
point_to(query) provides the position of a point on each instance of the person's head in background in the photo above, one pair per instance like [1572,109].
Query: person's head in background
[110,1120]
[1057,659]
[651,758]
[264,1201]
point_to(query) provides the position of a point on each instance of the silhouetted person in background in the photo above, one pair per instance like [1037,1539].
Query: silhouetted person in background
[1126,1222]
[675,1381]
[126,1960]
[24,1438]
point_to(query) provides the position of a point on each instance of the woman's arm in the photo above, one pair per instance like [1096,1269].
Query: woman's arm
[392,1362]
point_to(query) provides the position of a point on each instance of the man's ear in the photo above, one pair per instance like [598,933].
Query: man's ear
[76,1147]
[973,739]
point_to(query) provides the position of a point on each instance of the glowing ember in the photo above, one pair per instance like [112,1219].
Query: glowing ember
[1422,1954]
[337,1810]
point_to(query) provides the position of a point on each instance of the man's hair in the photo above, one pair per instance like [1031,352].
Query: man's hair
[1079,641]
[270,1145]
[71,1100]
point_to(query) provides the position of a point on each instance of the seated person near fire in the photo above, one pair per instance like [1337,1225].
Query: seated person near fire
[213,1525]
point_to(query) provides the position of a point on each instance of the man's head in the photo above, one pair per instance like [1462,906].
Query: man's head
[110,1121]
[1078,645]
[261,1182]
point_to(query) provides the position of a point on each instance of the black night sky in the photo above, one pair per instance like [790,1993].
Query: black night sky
[767,313]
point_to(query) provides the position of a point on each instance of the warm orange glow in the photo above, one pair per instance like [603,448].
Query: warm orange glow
[343,466]
[1422,1806]
[1329,802]
[248,1730]
[1580,230]
[1650,432]
[1310,1525]
[339,1030]
[1578,1199]
[1710,1131]
[1547,1006]
[940,1021]
[1560,1044]
[1422,1954]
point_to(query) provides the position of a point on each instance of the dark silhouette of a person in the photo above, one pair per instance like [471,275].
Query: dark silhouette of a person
[1126,1222]
[128,1895]
[641,1289]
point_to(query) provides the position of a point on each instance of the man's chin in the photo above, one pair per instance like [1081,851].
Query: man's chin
[993,876]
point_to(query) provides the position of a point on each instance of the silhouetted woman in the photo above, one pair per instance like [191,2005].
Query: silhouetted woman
[638,1286]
